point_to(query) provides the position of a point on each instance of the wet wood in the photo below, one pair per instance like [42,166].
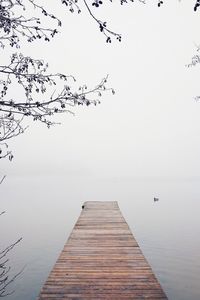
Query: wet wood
[101,260]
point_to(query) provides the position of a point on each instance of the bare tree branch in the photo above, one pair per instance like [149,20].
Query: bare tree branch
[14,26]
[42,96]
[5,279]
[2,179]
[102,25]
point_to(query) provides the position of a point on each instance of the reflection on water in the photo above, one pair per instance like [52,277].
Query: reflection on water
[44,209]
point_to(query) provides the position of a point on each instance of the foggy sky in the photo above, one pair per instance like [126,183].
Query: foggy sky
[151,126]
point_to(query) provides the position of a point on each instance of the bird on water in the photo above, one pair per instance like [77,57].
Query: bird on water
[155,199]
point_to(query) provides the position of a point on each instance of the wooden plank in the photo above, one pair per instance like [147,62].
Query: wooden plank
[101,260]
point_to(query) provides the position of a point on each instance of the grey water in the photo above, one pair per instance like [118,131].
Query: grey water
[43,210]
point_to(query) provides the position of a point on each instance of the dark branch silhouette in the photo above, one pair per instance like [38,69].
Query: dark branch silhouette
[194,62]
[5,278]
[76,5]
[195,7]
[43,96]
[102,25]
[15,23]
[1,180]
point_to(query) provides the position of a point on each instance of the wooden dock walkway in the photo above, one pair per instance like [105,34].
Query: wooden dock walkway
[101,260]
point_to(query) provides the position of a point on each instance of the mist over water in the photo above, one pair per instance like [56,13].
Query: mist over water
[44,209]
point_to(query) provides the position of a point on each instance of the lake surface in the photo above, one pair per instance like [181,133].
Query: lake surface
[43,210]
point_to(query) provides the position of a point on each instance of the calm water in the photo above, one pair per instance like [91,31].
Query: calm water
[43,210]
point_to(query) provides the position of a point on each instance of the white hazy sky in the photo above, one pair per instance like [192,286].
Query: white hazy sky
[151,127]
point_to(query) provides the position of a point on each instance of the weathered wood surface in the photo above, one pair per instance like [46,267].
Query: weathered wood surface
[101,260]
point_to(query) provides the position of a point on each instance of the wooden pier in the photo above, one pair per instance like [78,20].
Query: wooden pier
[101,260]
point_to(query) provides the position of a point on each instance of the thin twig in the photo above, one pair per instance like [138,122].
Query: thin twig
[2,179]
